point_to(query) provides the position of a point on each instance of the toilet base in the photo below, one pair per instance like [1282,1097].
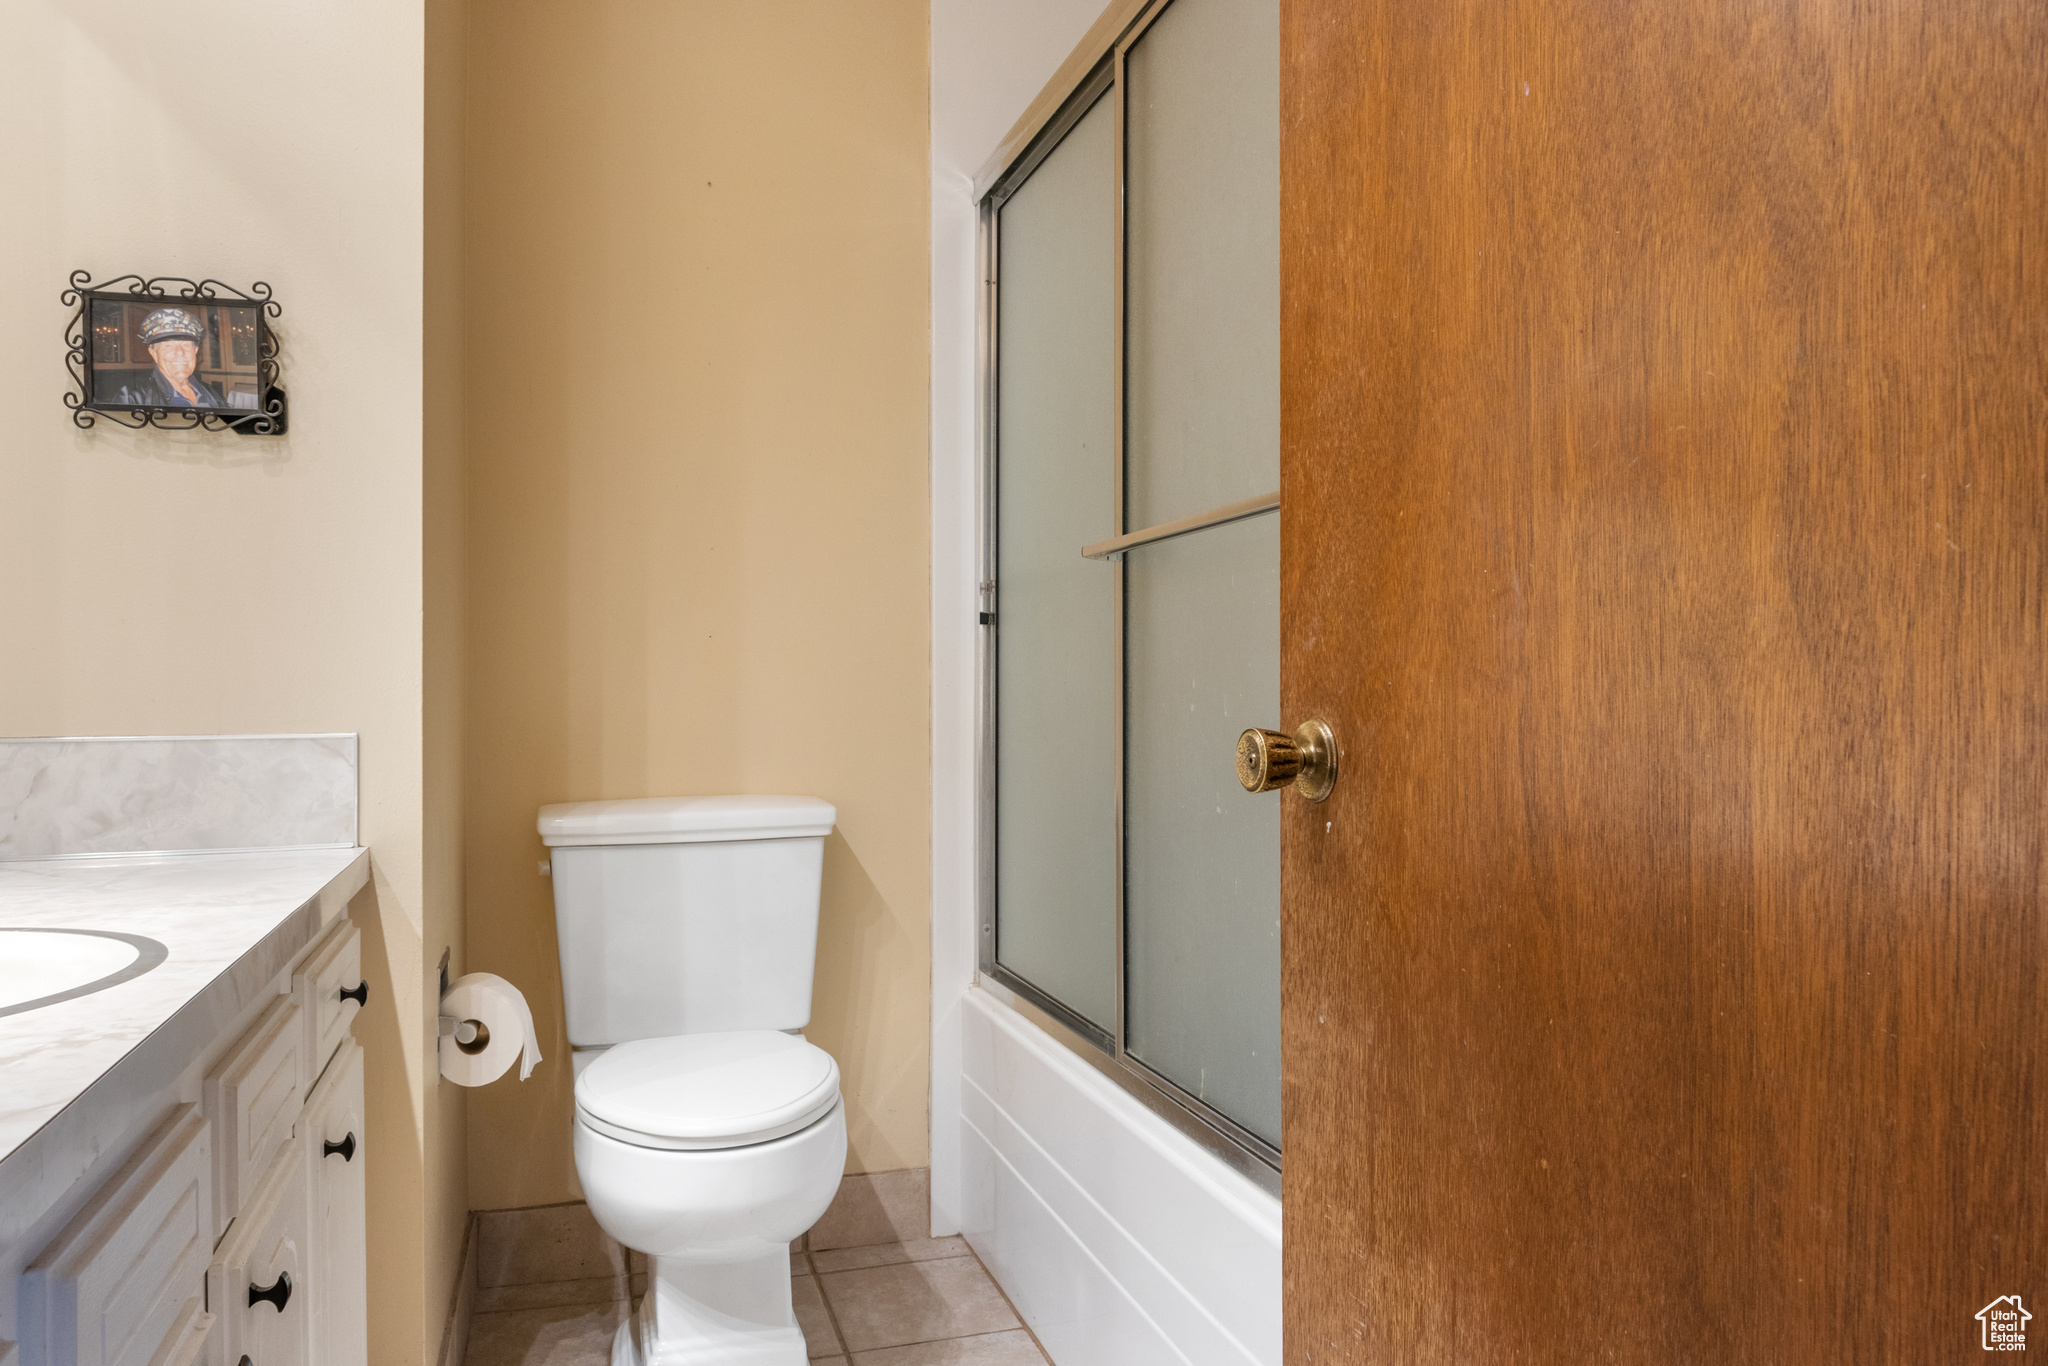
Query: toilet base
[713,1314]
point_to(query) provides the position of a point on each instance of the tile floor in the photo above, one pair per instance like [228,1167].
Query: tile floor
[552,1289]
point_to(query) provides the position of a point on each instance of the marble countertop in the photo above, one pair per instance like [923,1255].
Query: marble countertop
[231,923]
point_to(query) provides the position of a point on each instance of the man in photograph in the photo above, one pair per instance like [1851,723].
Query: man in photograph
[173,337]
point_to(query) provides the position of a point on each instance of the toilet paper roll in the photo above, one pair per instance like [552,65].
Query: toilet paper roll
[499,1006]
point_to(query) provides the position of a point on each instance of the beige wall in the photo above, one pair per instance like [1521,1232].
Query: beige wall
[697,489]
[193,583]
[443,674]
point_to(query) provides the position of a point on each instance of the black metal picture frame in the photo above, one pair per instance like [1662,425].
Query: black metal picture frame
[266,418]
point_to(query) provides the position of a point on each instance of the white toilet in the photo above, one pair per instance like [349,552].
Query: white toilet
[708,1132]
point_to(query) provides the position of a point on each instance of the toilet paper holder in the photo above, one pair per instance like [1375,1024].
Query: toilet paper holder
[471,1036]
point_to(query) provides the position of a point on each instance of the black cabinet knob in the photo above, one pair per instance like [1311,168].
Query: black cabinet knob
[279,1293]
[359,993]
[347,1148]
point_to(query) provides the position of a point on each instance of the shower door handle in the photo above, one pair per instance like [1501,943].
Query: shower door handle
[1270,759]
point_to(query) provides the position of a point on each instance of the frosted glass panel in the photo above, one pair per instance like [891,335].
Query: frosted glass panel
[1202,262]
[1202,855]
[1055,642]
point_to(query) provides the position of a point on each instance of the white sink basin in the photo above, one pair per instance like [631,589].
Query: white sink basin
[42,967]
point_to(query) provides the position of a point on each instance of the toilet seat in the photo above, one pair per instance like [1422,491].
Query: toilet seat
[701,1091]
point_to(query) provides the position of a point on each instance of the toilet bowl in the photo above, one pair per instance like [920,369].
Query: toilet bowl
[708,1133]
[710,1153]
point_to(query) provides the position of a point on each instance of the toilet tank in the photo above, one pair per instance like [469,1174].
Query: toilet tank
[686,915]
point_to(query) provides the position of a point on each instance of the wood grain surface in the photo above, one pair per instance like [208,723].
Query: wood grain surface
[1665,466]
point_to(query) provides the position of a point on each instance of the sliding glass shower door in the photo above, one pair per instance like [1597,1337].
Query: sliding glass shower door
[1132,598]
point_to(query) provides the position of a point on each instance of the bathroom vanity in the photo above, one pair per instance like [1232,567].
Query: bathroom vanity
[181,1110]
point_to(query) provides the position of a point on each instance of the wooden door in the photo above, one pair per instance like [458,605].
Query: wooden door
[1665,478]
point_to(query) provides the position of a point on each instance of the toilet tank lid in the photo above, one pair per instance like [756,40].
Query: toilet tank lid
[685,820]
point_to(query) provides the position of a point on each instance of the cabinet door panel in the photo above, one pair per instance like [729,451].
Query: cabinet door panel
[113,1287]
[331,1133]
[267,1252]
[187,1338]
[253,1099]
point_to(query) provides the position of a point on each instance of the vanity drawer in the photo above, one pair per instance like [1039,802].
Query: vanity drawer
[253,1100]
[334,966]
[258,1284]
[331,1131]
[120,1286]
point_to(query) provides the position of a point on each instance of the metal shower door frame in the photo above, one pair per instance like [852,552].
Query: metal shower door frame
[1054,115]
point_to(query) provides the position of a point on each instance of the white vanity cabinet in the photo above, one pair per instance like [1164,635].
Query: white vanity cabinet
[234,1235]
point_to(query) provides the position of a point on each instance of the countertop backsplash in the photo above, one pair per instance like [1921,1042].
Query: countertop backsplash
[175,794]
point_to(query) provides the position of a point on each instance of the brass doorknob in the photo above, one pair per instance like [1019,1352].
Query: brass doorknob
[1268,759]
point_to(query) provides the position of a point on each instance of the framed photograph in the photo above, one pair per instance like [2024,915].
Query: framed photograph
[199,355]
